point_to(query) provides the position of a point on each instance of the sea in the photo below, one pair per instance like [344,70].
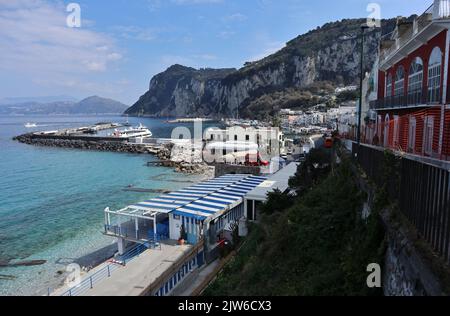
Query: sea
[52,199]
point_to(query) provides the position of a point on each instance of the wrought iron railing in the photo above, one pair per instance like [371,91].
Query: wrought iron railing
[421,190]
[418,97]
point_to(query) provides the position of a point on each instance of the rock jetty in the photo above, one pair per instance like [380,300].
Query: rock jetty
[179,160]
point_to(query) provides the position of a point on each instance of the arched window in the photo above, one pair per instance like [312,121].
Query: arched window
[415,82]
[434,75]
[399,88]
[389,86]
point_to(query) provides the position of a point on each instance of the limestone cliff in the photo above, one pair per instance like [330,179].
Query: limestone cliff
[329,53]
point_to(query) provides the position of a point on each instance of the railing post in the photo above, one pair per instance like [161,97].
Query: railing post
[90,279]
[109,272]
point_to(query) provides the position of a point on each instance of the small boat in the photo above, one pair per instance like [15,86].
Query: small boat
[127,123]
[30,125]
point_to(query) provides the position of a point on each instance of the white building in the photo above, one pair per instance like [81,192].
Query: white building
[228,152]
[278,181]
[270,141]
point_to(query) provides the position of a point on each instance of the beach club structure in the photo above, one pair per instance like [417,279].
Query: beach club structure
[196,210]
[199,213]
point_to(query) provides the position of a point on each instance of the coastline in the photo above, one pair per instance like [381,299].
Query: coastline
[163,152]
[86,247]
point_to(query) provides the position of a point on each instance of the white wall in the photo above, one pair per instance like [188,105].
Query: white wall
[174,227]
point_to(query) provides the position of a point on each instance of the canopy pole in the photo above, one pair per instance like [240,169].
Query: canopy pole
[154,226]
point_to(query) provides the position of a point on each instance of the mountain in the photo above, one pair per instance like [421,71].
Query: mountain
[98,105]
[91,105]
[328,54]
[46,99]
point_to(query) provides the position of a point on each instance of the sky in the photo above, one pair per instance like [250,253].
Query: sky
[121,44]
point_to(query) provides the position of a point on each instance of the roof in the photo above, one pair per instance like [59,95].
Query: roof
[204,199]
[279,180]
[231,145]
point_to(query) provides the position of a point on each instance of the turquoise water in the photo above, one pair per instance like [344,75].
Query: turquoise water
[52,200]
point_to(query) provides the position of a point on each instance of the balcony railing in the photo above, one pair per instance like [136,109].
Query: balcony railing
[420,97]
[441,9]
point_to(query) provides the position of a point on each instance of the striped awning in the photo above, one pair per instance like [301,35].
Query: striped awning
[174,200]
[220,200]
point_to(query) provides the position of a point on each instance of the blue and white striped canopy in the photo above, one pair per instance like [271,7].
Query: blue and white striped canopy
[222,199]
[205,199]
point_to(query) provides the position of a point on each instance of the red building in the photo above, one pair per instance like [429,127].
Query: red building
[413,96]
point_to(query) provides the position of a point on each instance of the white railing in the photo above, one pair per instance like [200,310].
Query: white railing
[441,9]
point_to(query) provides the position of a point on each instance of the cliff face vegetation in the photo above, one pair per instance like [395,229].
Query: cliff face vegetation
[315,244]
[327,54]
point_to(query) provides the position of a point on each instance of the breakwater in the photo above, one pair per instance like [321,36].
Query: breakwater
[163,152]
[91,143]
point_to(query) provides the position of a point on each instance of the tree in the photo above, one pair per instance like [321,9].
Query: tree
[314,169]
[277,201]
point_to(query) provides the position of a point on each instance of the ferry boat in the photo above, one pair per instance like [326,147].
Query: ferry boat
[139,131]
[30,125]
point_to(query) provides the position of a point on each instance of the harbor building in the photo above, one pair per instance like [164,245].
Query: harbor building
[270,140]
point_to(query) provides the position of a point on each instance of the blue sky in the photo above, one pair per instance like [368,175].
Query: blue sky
[122,43]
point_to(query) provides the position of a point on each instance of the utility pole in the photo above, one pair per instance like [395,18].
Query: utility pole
[361,79]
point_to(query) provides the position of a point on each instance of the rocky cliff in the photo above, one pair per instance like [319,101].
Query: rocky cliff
[330,53]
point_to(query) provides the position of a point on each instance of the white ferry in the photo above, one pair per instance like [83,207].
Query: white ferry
[30,125]
[139,131]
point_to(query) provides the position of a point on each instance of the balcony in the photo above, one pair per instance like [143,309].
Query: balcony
[417,98]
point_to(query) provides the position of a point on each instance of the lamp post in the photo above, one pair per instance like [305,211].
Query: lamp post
[361,79]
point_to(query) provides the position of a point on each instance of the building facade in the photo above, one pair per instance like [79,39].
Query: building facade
[412,113]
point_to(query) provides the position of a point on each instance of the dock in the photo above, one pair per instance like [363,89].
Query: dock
[191,120]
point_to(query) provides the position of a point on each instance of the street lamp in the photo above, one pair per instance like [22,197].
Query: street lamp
[361,79]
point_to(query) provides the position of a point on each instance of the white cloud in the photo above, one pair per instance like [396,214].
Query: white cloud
[206,57]
[35,40]
[136,33]
[196,1]
[236,17]
[226,34]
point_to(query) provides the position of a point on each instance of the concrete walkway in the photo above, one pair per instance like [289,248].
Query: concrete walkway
[195,279]
[138,274]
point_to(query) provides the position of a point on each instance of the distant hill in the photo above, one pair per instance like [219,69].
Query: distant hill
[90,105]
[327,54]
[95,104]
[46,99]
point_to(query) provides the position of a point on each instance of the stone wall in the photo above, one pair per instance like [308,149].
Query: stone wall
[406,273]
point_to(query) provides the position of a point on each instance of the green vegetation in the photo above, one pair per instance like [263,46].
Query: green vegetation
[315,244]
[347,96]
[270,103]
